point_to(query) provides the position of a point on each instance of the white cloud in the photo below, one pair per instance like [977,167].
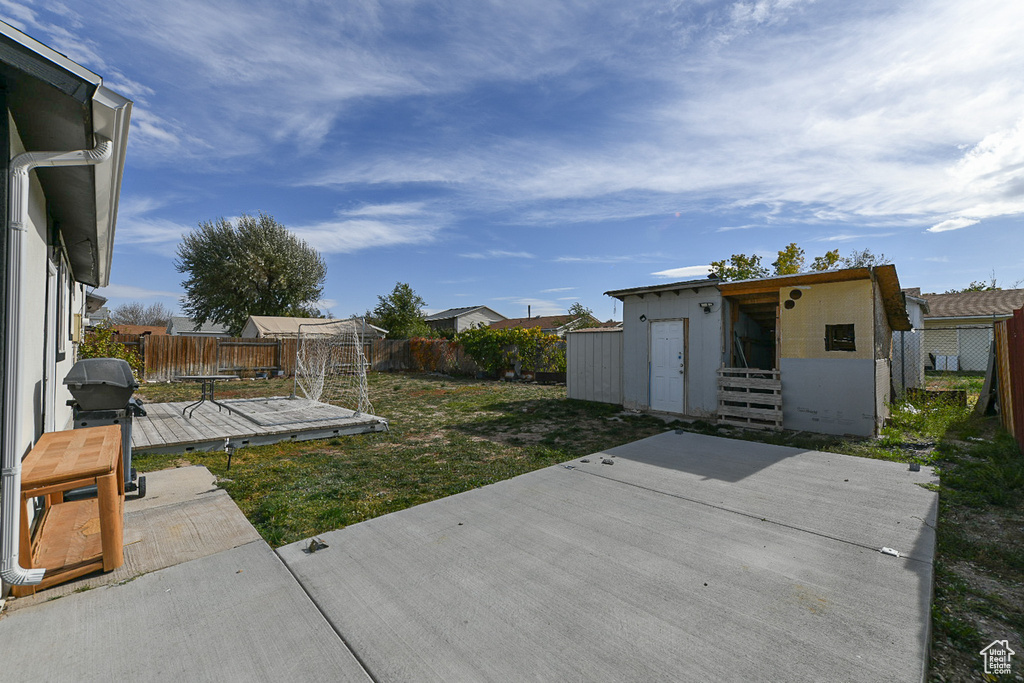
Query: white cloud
[115,291]
[860,117]
[952,224]
[557,289]
[498,253]
[372,226]
[867,113]
[136,223]
[629,258]
[684,272]
[347,236]
[850,237]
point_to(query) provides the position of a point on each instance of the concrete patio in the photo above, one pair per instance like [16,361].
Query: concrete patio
[690,557]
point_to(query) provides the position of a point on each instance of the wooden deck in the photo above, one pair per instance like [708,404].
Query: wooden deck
[251,422]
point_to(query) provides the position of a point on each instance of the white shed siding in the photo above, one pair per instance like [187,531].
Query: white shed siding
[594,366]
[703,343]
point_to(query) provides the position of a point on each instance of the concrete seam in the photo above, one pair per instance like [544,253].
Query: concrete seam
[362,664]
[745,514]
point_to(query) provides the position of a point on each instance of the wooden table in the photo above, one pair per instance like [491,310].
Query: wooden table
[76,537]
[207,384]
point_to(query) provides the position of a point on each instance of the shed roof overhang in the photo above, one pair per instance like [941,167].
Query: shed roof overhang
[658,290]
[57,106]
[755,292]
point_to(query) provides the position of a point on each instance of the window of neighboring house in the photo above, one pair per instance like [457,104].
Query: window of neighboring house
[840,338]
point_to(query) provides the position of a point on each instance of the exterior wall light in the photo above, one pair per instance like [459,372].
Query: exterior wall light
[643,318]
[706,305]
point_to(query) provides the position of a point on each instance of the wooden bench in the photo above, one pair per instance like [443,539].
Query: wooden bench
[75,537]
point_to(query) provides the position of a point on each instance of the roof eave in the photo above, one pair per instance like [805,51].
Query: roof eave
[668,287]
[111,119]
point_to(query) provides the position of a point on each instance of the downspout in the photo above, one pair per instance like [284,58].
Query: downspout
[10,523]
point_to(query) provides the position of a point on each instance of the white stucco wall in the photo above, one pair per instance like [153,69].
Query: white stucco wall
[33,307]
[704,346]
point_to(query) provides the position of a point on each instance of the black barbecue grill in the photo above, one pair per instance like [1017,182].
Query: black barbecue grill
[102,389]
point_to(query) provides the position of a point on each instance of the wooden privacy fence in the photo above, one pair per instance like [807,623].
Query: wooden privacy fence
[1009,367]
[166,357]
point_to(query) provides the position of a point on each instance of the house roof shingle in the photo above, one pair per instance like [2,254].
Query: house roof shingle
[1000,302]
[545,322]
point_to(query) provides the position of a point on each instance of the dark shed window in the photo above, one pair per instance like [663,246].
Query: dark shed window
[839,338]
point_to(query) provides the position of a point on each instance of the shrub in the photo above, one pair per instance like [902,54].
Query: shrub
[99,343]
[495,350]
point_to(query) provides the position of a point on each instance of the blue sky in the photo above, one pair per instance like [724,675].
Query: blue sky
[540,152]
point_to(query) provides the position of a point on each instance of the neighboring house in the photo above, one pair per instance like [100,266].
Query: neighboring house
[819,342]
[59,232]
[908,355]
[157,330]
[181,326]
[548,324]
[462,319]
[284,327]
[958,327]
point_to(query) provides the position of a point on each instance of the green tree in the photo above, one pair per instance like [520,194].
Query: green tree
[864,259]
[739,267]
[581,317]
[790,260]
[251,267]
[828,261]
[401,313]
[976,286]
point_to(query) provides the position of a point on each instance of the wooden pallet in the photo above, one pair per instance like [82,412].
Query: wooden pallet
[750,398]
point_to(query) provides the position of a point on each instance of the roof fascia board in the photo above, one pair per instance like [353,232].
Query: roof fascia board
[658,289]
[111,119]
[773,284]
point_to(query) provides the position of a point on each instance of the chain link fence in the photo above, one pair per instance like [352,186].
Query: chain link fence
[948,359]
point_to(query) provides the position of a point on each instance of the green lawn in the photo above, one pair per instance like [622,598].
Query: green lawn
[446,436]
[451,435]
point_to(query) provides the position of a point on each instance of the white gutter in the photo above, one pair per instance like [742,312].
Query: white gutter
[10,469]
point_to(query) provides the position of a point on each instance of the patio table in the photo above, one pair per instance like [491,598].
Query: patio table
[207,382]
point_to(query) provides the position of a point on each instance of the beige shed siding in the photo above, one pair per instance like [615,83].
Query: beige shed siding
[594,366]
[830,303]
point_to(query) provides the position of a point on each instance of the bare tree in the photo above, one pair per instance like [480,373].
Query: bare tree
[136,313]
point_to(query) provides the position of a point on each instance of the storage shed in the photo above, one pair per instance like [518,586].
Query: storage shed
[809,351]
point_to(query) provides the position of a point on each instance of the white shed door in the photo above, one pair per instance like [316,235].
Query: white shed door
[667,357]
